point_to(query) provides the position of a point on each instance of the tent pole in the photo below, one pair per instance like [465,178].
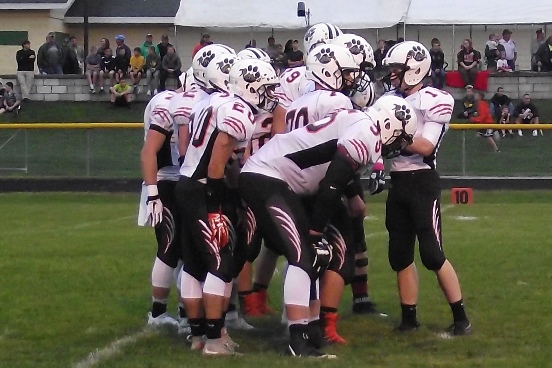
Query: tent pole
[404,30]
[453,46]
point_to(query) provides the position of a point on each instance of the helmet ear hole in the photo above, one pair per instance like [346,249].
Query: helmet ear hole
[327,74]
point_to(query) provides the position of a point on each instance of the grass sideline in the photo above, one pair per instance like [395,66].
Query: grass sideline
[76,268]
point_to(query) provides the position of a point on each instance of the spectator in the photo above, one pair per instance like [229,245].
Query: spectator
[144,49]
[170,65]
[25,68]
[153,65]
[504,118]
[287,47]
[11,101]
[107,68]
[468,61]
[121,94]
[204,41]
[40,62]
[400,39]
[509,47]
[535,45]
[437,64]
[526,113]
[379,54]
[137,63]
[50,56]
[492,53]
[120,41]
[251,44]
[280,59]
[163,46]
[502,65]
[122,63]
[70,63]
[544,55]
[483,116]
[295,56]
[79,51]
[468,103]
[272,48]
[499,101]
[104,44]
[93,61]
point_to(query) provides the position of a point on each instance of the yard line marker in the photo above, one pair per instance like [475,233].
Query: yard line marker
[114,348]
[68,228]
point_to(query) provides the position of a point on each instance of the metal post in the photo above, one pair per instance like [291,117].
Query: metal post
[464,152]
[86,27]
[26,153]
[87,152]
[453,48]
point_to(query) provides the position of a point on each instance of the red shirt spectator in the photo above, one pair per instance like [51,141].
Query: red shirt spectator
[205,40]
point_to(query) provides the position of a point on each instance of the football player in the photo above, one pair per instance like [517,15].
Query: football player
[159,159]
[320,159]
[219,125]
[413,203]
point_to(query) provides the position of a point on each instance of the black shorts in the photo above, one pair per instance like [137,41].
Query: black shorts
[200,256]
[121,101]
[167,232]
[413,210]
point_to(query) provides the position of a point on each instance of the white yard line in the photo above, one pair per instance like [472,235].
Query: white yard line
[30,230]
[114,348]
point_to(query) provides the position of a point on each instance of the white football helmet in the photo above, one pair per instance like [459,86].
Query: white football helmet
[364,94]
[359,47]
[204,57]
[254,53]
[319,33]
[331,66]
[254,81]
[187,79]
[218,71]
[408,62]
[397,122]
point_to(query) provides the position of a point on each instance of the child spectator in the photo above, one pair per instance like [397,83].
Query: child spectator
[483,116]
[137,63]
[11,101]
[93,61]
[107,67]
[121,94]
[153,65]
[504,118]
[122,63]
[437,64]
[502,65]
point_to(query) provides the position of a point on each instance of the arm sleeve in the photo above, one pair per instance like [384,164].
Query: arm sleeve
[236,119]
[433,132]
[360,143]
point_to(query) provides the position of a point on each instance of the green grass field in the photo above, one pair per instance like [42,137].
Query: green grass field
[115,153]
[75,275]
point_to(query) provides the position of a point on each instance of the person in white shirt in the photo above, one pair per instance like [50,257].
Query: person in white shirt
[509,47]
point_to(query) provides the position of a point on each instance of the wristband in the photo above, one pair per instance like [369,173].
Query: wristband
[152,190]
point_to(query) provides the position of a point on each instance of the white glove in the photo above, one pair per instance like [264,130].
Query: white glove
[155,207]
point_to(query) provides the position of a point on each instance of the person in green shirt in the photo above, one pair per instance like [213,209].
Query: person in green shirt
[121,94]
[144,49]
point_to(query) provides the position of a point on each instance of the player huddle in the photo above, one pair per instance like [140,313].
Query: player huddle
[241,166]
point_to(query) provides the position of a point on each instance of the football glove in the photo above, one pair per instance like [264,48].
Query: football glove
[376,182]
[322,253]
[155,206]
[219,229]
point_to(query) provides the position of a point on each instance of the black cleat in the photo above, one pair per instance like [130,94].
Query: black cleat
[367,307]
[316,334]
[407,326]
[299,346]
[462,328]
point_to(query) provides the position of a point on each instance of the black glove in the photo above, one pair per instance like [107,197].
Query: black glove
[322,253]
[376,182]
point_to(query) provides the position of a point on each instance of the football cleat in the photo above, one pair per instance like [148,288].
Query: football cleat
[228,340]
[218,347]
[366,307]
[407,326]
[198,342]
[162,320]
[316,334]
[299,347]
[462,328]
[330,329]
[233,321]
[184,326]
[261,297]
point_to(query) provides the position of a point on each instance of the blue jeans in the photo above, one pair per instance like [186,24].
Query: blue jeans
[438,79]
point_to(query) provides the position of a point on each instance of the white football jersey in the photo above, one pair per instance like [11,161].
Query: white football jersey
[157,117]
[221,112]
[314,106]
[302,157]
[293,84]
[433,109]
[263,129]
[180,108]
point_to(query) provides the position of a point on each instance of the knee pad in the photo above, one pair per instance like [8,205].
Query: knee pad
[161,274]
[214,285]
[228,287]
[361,262]
[190,287]
[297,285]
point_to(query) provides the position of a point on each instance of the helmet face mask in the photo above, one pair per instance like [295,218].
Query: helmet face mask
[408,64]
[267,101]
[254,81]
[333,68]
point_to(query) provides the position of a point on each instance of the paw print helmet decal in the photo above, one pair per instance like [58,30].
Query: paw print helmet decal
[407,63]
[360,48]
[397,123]
[320,33]
[203,59]
[332,67]
[254,53]
[218,71]
[254,81]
